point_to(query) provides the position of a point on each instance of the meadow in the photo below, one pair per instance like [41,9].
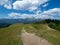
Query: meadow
[11,35]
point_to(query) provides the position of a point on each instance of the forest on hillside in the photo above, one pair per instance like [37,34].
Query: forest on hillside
[55,24]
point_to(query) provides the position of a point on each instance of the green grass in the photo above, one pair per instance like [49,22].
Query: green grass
[11,35]
[42,30]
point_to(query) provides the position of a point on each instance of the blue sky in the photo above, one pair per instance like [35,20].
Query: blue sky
[44,9]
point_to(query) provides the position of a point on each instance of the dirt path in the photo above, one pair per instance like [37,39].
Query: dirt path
[32,39]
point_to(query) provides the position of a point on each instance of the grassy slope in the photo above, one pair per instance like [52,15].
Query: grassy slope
[11,35]
[44,31]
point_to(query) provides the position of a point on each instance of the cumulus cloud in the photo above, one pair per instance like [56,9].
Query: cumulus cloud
[6,3]
[28,4]
[2,2]
[18,15]
[50,14]
[31,5]
[53,12]
[29,16]
[14,14]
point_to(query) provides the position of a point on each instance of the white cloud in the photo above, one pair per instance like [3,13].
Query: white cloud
[6,3]
[2,2]
[38,12]
[45,5]
[14,14]
[32,8]
[28,4]
[55,11]
[30,16]
[18,15]
[8,6]
[50,14]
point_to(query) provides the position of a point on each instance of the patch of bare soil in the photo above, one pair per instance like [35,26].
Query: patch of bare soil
[32,39]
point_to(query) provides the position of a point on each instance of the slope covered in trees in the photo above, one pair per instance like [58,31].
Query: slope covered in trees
[55,24]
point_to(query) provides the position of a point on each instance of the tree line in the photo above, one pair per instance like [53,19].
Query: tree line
[55,24]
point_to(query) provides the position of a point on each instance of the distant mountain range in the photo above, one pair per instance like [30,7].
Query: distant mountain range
[6,22]
[11,21]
